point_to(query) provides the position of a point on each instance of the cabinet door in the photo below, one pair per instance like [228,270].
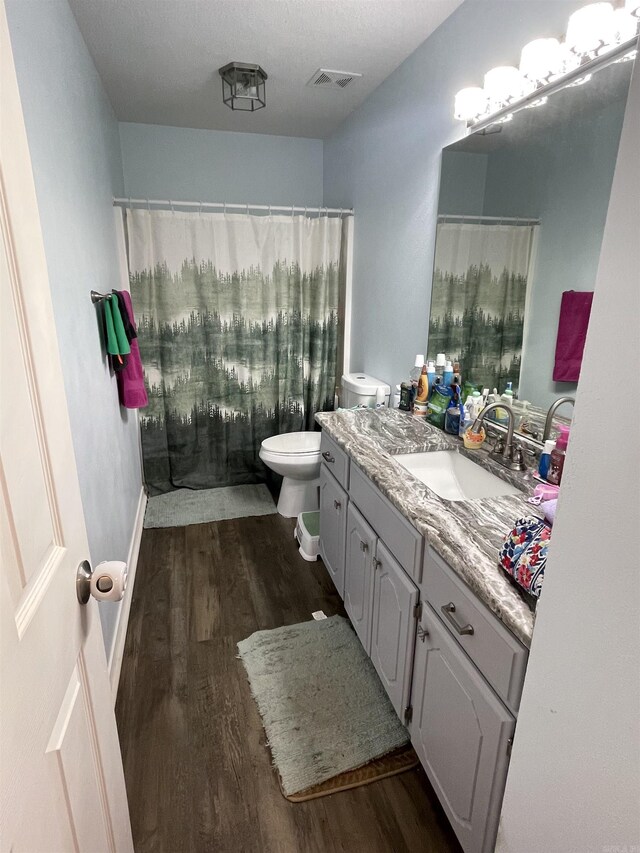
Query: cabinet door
[460,730]
[333,527]
[393,627]
[358,575]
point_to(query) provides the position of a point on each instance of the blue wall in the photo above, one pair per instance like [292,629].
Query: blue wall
[564,179]
[75,152]
[385,161]
[213,165]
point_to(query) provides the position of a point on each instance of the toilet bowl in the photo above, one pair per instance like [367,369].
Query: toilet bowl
[296,456]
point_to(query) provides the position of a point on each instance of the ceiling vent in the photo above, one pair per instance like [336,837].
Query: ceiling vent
[326,79]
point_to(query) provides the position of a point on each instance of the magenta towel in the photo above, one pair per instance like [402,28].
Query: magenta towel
[572,332]
[133,394]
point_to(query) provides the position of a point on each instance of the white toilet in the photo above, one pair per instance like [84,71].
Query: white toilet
[296,456]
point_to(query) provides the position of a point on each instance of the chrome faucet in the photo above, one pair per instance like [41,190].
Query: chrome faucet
[552,410]
[506,452]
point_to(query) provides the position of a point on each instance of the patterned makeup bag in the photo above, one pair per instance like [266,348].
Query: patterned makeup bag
[524,553]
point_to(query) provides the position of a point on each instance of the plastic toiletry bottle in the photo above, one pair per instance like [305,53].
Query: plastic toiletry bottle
[556,461]
[416,370]
[507,394]
[423,386]
[431,375]
[545,458]
[452,418]
[474,404]
[500,414]
[447,376]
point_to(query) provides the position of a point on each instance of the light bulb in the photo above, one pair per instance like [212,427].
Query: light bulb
[589,27]
[470,103]
[503,85]
[540,59]
[633,7]
[625,26]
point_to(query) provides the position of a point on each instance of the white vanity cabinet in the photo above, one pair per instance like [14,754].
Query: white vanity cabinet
[461,732]
[333,527]
[358,577]
[393,627]
[453,671]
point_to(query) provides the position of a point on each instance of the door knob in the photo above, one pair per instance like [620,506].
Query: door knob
[107,582]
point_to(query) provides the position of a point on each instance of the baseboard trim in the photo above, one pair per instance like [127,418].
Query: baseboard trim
[120,634]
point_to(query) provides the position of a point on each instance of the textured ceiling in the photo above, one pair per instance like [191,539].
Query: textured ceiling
[159,59]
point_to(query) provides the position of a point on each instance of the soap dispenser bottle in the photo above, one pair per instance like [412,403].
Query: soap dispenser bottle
[556,461]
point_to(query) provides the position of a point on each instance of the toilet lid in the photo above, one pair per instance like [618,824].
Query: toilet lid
[298,443]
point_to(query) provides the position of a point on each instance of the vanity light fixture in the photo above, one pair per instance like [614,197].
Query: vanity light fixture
[243,86]
[597,35]
[590,28]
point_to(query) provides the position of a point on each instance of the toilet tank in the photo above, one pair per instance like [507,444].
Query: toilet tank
[360,389]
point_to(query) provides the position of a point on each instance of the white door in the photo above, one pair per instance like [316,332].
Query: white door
[61,780]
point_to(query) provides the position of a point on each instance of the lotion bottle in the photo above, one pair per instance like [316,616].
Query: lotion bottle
[556,461]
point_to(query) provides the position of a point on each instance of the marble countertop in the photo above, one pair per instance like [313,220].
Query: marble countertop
[467,534]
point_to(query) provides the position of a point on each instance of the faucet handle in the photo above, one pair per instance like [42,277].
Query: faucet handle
[517,459]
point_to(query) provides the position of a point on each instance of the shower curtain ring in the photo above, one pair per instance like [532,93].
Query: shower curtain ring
[148,206]
[171,206]
[130,206]
[200,209]
[247,208]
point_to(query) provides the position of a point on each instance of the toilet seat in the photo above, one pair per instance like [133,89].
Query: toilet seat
[293,444]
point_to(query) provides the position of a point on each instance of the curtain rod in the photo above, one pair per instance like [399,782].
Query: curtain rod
[169,204]
[517,219]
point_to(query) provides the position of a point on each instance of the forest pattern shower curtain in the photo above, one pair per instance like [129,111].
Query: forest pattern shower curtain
[238,331]
[479,297]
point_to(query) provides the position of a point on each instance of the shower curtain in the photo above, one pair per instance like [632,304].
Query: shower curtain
[239,336]
[479,297]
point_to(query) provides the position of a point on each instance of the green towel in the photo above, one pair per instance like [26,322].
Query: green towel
[117,343]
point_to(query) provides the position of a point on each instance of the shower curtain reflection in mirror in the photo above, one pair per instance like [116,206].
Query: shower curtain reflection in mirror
[478,299]
[239,336]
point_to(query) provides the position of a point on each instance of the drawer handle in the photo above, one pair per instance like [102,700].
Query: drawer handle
[364,546]
[448,610]
[329,458]
[337,504]
[376,564]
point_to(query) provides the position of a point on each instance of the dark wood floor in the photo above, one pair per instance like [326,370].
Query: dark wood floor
[198,772]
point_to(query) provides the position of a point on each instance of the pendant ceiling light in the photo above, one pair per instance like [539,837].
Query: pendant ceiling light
[243,86]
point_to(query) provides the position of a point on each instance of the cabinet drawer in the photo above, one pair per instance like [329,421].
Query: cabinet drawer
[501,658]
[403,540]
[335,459]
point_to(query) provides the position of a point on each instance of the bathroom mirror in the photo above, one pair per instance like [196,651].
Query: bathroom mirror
[521,214]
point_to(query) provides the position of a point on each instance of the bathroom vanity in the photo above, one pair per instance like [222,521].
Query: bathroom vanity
[447,632]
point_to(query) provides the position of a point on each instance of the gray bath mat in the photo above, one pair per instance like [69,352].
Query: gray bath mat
[322,704]
[199,506]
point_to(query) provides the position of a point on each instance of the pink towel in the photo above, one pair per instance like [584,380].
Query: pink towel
[572,332]
[133,394]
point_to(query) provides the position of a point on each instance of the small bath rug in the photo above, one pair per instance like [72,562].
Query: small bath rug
[323,707]
[199,506]
[400,760]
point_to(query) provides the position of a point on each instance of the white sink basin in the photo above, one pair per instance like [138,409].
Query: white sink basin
[453,476]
